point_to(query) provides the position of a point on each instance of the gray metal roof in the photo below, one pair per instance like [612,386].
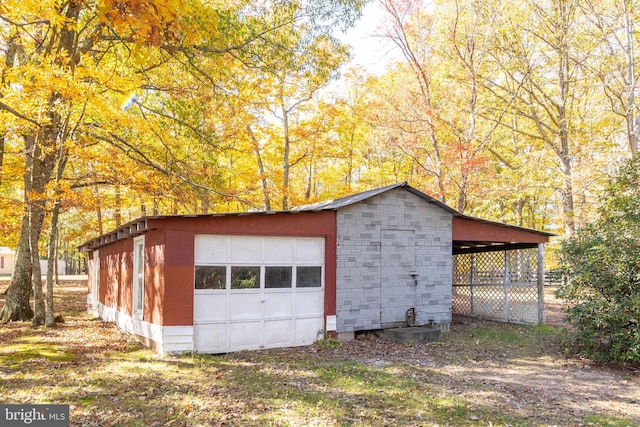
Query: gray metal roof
[331,205]
[140,226]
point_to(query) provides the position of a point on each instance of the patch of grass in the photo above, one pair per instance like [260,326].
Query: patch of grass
[494,338]
[25,349]
[602,421]
[86,400]
[512,334]
[503,336]
[328,342]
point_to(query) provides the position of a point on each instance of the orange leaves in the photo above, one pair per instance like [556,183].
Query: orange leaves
[151,22]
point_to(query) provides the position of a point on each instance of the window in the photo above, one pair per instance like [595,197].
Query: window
[277,277]
[138,277]
[245,277]
[309,277]
[95,277]
[215,277]
[211,277]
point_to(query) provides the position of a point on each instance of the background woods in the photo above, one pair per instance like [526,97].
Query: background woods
[114,109]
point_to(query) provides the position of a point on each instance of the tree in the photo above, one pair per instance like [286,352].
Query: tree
[69,65]
[614,32]
[293,77]
[50,69]
[411,29]
[545,56]
[603,263]
[446,123]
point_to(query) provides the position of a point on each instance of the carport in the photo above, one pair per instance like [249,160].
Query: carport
[498,271]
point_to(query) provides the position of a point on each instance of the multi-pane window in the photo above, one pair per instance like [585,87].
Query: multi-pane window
[220,277]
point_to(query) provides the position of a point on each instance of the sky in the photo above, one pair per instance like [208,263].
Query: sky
[370,49]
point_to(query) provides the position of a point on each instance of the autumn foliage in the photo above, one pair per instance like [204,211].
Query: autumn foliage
[113,109]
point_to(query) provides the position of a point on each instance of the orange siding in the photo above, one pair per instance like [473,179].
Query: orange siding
[178,277]
[116,266]
[154,292]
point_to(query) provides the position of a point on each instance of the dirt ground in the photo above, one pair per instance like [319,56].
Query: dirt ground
[487,363]
[538,385]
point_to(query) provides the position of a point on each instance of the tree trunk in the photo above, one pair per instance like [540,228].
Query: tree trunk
[1,157]
[462,195]
[53,244]
[519,205]
[307,193]
[563,122]
[630,80]
[263,176]
[43,164]
[36,217]
[205,203]
[567,197]
[10,56]
[16,306]
[39,166]
[118,203]
[99,211]
[52,262]
[285,160]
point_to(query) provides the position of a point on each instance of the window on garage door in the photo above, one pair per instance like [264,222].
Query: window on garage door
[278,277]
[211,277]
[249,277]
[309,277]
[245,277]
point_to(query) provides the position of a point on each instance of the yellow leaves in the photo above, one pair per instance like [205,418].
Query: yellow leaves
[34,17]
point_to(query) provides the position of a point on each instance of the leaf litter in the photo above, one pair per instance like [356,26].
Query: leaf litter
[482,373]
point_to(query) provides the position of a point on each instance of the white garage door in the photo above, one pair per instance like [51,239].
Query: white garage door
[254,292]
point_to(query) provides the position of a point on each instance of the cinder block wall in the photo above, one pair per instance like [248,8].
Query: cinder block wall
[359,262]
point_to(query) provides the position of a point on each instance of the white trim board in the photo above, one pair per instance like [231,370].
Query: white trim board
[168,339]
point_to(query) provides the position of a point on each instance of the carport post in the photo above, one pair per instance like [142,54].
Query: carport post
[540,283]
[505,286]
[473,273]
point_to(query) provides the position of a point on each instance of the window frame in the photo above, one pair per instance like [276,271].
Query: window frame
[226,275]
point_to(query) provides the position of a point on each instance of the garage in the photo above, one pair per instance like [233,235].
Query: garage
[224,282]
[255,292]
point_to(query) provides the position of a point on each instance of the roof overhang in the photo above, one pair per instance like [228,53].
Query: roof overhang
[474,235]
[133,228]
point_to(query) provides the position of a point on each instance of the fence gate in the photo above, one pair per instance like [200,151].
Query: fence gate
[506,286]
